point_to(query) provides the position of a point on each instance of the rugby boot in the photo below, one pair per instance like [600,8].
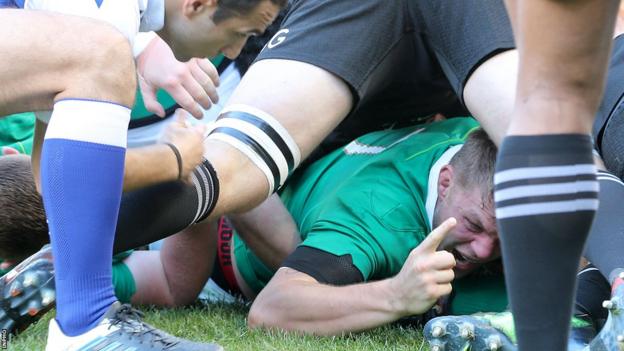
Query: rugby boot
[27,291]
[121,328]
[581,333]
[492,331]
[463,333]
[611,336]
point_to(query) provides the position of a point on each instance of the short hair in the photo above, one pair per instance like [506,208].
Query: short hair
[23,226]
[231,8]
[475,162]
[255,44]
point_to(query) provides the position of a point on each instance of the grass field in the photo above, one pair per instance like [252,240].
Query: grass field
[225,324]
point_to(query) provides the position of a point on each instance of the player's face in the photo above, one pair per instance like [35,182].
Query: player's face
[228,37]
[474,240]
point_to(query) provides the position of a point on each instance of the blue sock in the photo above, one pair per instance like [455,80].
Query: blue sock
[82,166]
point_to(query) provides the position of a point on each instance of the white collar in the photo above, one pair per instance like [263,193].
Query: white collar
[434,174]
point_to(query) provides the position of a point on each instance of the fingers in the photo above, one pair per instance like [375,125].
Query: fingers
[443,276]
[204,82]
[210,69]
[197,90]
[180,117]
[186,101]
[207,76]
[441,260]
[433,240]
[444,289]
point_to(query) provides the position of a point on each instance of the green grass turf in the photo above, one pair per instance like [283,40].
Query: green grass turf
[225,324]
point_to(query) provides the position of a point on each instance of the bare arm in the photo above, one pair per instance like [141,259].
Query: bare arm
[148,165]
[295,301]
[269,231]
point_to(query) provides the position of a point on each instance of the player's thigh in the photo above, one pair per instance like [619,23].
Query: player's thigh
[490,92]
[47,56]
[307,100]
[469,40]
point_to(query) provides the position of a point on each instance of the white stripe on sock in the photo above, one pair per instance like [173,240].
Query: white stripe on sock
[542,172]
[546,208]
[546,189]
[609,176]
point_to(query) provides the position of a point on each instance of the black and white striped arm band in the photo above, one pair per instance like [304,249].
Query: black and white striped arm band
[261,138]
[206,184]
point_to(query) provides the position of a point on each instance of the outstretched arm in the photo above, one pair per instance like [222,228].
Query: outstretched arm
[297,302]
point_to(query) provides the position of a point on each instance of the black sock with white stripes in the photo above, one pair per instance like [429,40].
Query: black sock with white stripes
[546,195]
[605,245]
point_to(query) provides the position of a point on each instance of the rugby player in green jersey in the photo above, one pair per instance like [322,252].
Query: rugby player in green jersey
[363,214]
[356,231]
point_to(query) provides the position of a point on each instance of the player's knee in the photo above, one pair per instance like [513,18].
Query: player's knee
[102,67]
[114,68]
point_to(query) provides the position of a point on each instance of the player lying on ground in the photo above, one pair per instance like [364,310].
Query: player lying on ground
[241,270]
[356,224]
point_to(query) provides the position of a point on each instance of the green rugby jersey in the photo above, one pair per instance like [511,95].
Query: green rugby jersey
[17,131]
[368,199]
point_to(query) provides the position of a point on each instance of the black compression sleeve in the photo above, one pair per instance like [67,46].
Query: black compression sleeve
[154,213]
[323,266]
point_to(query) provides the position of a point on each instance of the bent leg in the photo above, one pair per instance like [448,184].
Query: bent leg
[546,188]
[84,71]
[306,100]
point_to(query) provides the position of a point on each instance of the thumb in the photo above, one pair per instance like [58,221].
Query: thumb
[181,116]
[433,240]
[150,101]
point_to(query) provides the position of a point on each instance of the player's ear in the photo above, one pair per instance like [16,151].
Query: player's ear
[192,8]
[445,179]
